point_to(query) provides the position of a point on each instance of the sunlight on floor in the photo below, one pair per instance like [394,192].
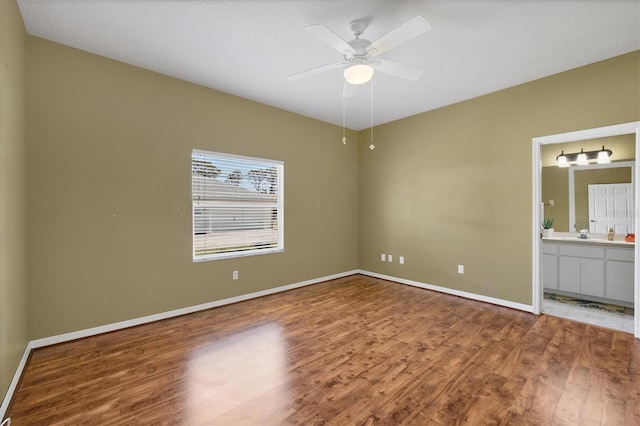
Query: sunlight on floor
[238,378]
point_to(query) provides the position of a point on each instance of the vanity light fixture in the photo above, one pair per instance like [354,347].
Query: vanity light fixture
[582,158]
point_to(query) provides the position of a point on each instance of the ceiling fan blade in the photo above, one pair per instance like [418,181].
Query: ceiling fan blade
[402,34]
[313,71]
[349,90]
[328,37]
[397,69]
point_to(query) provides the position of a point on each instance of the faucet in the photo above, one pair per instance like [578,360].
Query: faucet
[583,234]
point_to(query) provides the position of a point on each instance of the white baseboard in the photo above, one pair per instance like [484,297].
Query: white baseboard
[61,338]
[14,381]
[466,295]
[66,337]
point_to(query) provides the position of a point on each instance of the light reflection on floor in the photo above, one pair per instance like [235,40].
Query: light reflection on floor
[239,379]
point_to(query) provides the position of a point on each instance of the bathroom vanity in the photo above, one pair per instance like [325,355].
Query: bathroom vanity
[594,269]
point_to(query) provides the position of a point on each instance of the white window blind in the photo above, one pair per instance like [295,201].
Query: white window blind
[237,205]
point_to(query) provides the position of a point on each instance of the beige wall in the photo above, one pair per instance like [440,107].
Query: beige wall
[109,179]
[453,186]
[555,186]
[13,279]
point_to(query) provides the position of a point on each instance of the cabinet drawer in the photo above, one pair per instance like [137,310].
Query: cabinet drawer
[581,251]
[548,248]
[625,255]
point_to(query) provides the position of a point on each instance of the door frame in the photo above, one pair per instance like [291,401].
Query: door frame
[598,132]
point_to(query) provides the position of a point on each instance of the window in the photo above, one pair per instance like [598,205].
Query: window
[237,205]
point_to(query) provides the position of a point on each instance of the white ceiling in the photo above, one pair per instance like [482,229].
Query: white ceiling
[248,47]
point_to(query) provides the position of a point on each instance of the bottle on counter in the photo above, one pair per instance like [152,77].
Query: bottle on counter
[610,234]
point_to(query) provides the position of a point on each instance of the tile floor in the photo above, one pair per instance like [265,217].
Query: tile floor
[590,316]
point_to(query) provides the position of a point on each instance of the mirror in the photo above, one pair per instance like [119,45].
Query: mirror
[567,188]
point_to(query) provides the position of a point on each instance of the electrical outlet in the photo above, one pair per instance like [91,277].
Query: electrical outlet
[551,203]
[461,269]
[383,257]
[390,258]
[235,275]
[401,260]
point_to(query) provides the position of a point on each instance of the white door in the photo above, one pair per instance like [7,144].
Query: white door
[611,205]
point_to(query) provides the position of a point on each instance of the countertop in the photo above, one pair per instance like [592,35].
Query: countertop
[594,239]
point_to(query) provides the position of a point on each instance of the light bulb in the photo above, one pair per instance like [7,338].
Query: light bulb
[358,73]
[603,157]
[562,160]
[582,159]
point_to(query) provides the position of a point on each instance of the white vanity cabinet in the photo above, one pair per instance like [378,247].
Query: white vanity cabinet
[581,269]
[600,272]
[620,274]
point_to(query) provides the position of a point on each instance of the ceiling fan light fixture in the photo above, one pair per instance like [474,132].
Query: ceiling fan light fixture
[358,73]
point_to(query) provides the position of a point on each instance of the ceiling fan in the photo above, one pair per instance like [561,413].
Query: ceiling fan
[360,56]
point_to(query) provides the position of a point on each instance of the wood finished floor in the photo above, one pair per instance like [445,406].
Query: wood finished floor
[356,350]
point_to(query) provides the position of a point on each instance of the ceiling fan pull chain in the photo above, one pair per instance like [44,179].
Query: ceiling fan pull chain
[344,135]
[372,146]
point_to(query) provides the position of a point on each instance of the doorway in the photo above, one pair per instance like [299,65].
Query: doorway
[632,128]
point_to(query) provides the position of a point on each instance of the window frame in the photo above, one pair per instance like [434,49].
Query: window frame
[278,205]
